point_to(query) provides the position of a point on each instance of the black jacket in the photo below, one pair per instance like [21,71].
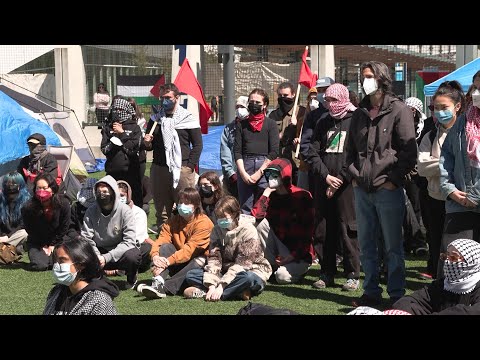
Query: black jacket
[383,149]
[322,161]
[40,231]
[122,158]
[48,164]
[434,300]
[308,126]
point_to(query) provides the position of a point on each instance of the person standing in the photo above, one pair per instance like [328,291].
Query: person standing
[256,144]
[177,144]
[381,151]
[288,123]
[227,142]
[101,99]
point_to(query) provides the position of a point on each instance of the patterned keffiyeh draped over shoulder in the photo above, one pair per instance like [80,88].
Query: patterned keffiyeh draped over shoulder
[181,119]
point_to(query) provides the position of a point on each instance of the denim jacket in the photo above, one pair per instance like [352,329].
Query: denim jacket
[227,159]
[455,170]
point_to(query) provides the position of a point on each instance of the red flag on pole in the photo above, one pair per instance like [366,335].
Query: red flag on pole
[188,84]
[306,77]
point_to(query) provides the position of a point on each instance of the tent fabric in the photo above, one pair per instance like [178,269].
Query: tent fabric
[463,75]
[210,157]
[26,101]
[15,127]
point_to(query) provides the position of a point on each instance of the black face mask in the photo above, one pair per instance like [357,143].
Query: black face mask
[206,191]
[12,189]
[103,199]
[254,109]
[286,103]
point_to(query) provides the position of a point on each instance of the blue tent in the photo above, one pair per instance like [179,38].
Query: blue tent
[210,156]
[15,127]
[463,75]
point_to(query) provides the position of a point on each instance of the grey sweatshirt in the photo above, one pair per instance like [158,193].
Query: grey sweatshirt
[114,232]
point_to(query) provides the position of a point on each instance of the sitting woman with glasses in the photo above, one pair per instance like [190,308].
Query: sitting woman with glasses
[457,292]
[46,217]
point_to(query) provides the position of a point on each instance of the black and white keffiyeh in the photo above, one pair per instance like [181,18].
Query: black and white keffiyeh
[181,119]
[122,110]
[461,277]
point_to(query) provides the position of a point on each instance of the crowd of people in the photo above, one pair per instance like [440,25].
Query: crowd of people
[364,181]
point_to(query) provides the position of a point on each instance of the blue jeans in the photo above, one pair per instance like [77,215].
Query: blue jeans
[249,194]
[244,280]
[381,213]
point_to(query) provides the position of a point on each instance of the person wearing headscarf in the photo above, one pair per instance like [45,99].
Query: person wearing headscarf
[121,139]
[335,219]
[457,292]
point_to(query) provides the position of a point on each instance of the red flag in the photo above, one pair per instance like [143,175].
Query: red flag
[306,77]
[155,90]
[187,83]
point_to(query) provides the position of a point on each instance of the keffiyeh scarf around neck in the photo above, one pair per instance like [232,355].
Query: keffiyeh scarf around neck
[461,277]
[181,119]
[38,153]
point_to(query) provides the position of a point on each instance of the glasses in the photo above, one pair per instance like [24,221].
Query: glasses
[453,256]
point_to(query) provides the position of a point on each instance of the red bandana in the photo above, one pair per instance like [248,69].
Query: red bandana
[256,121]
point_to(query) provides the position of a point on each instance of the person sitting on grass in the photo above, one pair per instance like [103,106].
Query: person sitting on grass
[85,199]
[109,227]
[236,267]
[457,292]
[81,288]
[210,190]
[46,218]
[286,227]
[13,196]
[180,247]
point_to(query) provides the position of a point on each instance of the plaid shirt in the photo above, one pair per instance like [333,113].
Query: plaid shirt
[291,218]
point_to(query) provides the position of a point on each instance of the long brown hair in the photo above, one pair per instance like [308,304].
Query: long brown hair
[213,178]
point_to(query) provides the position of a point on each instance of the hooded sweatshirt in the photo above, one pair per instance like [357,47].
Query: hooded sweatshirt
[94,299]
[233,251]
[291,215]
[141,221]
[114,232]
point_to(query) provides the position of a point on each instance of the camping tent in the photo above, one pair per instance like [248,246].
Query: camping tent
[67,128]
[15,127]
[463,75]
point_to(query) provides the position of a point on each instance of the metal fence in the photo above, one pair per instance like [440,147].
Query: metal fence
[264,66]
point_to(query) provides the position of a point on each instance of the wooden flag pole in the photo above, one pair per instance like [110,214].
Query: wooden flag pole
[153,128]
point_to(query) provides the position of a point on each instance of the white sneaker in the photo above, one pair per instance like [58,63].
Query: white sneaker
[193,292]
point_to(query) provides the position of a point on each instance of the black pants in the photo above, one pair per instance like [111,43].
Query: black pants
[145,254]
[459,225]
[435,220]
[176,282]
[336,222]
[39,261]
[129,262]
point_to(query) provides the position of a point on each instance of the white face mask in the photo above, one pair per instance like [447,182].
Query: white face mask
[314,104]
[123,199]
[242,113]
[476,98]
[273,183]
[370,86]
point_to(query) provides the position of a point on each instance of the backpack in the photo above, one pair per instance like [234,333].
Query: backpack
[8,254]
[260,309]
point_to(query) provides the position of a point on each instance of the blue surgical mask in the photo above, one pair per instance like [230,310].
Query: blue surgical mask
[224,223]
[62,274]
[167,104]
[444,116]
[184,210]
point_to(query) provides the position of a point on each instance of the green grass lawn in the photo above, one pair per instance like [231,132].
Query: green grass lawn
[23,293]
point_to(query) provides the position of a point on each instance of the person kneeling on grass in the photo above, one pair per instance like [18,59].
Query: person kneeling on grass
[180,247]
[81,288]
[236,266]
